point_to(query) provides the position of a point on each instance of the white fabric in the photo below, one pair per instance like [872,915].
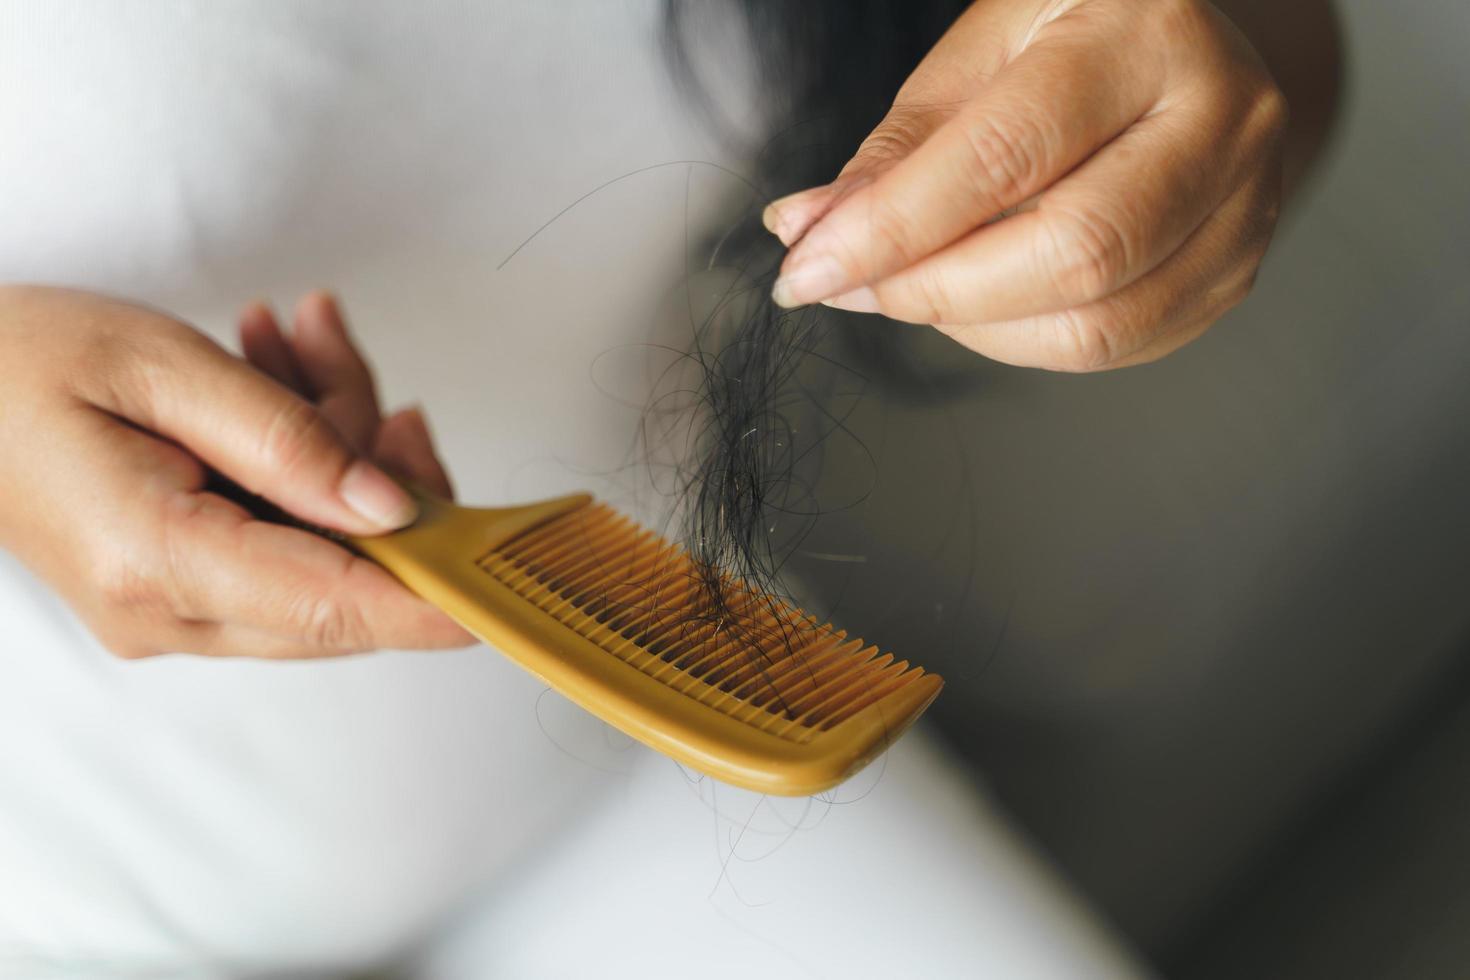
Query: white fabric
[200,818]
[903,872]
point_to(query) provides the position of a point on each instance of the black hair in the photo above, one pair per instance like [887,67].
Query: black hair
[829,69]
[771,384]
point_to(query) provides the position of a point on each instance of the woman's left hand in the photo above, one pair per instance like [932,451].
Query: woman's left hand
[1134,149]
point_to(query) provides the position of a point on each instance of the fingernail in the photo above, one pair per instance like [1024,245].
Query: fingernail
[415,413]
[323,311]
[376,498]
[257,311]
[809,280]
[789,217]
[771,218]
[860,300]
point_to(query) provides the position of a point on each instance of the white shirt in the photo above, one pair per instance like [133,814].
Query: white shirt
[199,815]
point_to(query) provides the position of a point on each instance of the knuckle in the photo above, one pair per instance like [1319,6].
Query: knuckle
[175,586]
[135,361]
[124,585]
[119,363]
[1239,287]
[929,297]
[894,138]
[1082,342]
[1004,154]
[891,227]
[292,436]
[883,146]
[1269,112]
[1088,255]
[334,625]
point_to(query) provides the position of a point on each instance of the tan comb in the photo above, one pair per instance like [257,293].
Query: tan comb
[754,693]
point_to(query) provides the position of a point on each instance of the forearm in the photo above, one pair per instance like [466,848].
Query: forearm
[1300,42]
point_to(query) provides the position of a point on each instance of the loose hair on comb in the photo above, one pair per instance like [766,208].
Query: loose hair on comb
[745,488]
[749,410]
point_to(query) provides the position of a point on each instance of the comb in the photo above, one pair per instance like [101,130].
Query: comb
[749,690]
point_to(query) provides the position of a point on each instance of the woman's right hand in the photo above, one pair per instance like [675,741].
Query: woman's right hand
[112,418]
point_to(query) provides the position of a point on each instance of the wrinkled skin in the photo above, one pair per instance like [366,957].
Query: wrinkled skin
[1135,149]
[113,419]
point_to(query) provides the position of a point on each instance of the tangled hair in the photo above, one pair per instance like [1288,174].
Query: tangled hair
[768,379]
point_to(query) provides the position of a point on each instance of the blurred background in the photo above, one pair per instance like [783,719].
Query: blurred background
[1213,648]
[1205,624]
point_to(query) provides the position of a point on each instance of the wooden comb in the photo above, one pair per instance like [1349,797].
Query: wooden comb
[749,690]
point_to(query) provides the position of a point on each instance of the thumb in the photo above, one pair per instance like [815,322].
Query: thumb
[973,50]
[261,435]
[895,137]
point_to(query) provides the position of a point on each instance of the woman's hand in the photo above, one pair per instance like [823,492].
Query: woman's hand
[112,418]
[1134,146]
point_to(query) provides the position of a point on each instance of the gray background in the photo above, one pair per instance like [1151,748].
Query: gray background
[1205,594]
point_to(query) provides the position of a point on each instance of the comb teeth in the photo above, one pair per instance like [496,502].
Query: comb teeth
[644,601]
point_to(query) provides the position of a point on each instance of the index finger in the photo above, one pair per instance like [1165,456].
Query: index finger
[229,568]
[1103,226]
[1060,100]
[180,384]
